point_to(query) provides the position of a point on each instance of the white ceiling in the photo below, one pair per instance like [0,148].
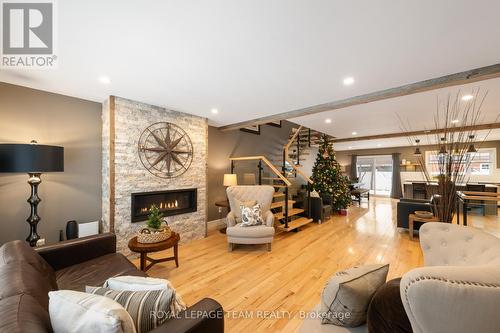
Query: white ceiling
[257,57]
[415,112]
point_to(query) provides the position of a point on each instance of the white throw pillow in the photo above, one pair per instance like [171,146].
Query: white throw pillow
[75,312]
[251,216]
[248,203]
[139,283]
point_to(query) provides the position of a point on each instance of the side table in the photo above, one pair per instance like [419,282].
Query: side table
[414,218]
[145,248]
[222,204]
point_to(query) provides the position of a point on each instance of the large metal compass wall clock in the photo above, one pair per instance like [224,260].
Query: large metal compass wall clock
[165,150]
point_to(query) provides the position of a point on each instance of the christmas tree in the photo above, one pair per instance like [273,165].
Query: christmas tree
[327,177]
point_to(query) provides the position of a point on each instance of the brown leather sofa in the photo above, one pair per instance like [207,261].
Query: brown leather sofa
[27,276]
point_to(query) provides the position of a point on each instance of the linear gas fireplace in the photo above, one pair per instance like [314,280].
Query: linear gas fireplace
[172,202]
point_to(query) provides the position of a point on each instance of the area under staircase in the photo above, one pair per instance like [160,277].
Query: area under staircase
[284,174]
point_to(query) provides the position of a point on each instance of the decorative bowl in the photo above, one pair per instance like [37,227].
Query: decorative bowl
[149,236]
[423,214]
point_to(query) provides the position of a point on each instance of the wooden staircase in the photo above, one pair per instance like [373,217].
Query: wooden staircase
[287,217]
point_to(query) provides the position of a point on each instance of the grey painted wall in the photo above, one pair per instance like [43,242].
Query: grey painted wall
[75,124]
[222,145]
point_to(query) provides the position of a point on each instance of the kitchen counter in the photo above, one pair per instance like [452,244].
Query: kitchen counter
[433,186]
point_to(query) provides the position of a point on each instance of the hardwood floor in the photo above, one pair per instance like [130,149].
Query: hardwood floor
[250,281]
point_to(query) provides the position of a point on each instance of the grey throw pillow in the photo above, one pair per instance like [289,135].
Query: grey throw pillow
[346,296]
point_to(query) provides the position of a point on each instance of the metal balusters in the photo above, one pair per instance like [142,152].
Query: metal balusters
[286,206]
[260,172]
[298,149]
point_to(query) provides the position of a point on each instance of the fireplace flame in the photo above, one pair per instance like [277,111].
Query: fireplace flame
[162,205]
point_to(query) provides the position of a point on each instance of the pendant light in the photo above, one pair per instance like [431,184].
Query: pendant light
[417,150]
[471,149]
[442,150]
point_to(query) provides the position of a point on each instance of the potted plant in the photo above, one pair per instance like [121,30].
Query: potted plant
[157,230]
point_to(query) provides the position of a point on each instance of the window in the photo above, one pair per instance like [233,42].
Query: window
[375,173]
[480,165]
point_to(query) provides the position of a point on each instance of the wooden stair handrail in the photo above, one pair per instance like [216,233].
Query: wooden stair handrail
[295,167]
[267,162]
[294,136]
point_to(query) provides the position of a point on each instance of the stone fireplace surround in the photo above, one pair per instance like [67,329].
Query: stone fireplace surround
[123,174]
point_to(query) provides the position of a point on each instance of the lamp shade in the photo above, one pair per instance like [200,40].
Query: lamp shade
[31,158]
[230,179]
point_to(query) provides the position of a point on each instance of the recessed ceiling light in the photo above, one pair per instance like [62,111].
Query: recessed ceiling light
[104,80]
[328,121]
[454,121]
[214,111]
[348,81]
[467,97]
[354,133]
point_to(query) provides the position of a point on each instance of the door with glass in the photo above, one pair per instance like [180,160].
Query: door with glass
[375,173]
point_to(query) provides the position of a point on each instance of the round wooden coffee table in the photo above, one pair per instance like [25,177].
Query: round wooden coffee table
[144,249]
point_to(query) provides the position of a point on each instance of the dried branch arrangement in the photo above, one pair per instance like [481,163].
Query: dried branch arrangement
[455,145]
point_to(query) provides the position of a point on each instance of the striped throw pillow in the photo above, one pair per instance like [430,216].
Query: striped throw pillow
[148,309]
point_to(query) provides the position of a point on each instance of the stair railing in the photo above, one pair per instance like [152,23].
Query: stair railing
[296,167]
[273,169]
[286,157]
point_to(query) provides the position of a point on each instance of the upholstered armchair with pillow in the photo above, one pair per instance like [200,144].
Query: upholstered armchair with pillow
[256,234]
[459,289]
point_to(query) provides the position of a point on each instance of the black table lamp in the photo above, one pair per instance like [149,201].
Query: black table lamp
[33,159]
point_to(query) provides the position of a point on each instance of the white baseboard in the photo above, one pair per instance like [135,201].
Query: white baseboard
[216,224]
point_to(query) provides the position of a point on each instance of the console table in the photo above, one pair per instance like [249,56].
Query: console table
[464,198]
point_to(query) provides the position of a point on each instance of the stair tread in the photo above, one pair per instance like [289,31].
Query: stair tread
[295,224]
[279,167]
[277,204]
[291,212]
[270,178]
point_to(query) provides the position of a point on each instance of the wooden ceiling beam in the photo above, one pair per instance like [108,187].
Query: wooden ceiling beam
[421,132]
[470,76]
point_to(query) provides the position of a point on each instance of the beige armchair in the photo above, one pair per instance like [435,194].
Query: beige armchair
[260,234]
[459,289]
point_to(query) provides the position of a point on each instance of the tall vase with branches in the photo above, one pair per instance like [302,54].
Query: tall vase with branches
[454,131]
